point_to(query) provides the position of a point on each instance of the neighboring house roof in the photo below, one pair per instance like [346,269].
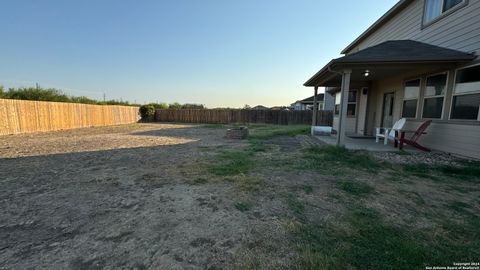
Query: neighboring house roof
[402,4]
[279,108]
[260,107]
[309,100]
[394,52]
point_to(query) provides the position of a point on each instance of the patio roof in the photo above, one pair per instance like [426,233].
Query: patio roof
[395,52]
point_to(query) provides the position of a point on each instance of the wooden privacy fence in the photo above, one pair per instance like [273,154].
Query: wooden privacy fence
[324,118]
[24,116]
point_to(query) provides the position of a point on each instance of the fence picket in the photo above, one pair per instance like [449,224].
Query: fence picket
[24,116]
[227,116]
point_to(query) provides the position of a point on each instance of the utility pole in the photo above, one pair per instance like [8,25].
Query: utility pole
[37,86]
[104,97]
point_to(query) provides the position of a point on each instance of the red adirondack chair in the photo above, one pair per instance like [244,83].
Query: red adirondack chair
[416,135]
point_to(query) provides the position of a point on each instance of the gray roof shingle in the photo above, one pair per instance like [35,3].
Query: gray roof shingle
[397,51]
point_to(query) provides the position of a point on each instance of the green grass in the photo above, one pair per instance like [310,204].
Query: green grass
[469,171]
[413,196]
[334,158]
[266,132]
[355,188]
[213,126]
[419,170]
[466,171]
[308,189]
[232,163]
[243,206]
[256,145]
[376,244]
[200,181]
[358,237]
[246,183]
[296,206]
[459,207]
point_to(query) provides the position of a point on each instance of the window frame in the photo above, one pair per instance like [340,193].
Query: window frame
[444,96]
[462,94]
[354,103]
[336,111]
[443,14]
[417,98]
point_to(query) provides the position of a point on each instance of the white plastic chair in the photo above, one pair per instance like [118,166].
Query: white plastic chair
[389,133]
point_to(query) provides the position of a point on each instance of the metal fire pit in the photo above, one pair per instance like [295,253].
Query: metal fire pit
[239,133]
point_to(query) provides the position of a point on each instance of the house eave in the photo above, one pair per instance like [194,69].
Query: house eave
[333,69]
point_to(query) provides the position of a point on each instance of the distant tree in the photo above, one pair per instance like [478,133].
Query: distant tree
[175,106]
[51,94]
[193,106]
[84,100]
[246,107]
[147,112]
[159,106]
[162,106]
[31,93]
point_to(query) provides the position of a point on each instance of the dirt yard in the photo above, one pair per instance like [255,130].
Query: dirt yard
[160,196]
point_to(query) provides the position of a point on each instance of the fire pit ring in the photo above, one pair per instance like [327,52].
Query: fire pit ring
[239,133]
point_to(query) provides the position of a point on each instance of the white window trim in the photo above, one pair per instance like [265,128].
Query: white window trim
[339,102]
[436,96]
[462,94]
[356,102]
[443,14]
[417,98]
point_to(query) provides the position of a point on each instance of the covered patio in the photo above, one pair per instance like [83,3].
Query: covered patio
[369,72]
[365,143]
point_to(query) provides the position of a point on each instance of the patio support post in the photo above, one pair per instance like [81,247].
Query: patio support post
[346,74]
[315,108]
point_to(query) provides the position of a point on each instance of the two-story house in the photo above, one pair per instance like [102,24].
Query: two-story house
[324,102]
[418,61]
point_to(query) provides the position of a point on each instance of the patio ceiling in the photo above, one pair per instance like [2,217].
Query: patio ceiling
[387,59]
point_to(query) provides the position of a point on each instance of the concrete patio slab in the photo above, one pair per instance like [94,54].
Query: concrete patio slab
[364,143]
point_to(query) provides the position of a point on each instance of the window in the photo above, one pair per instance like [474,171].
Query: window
[435,8]
[410,98]
[337,103]
[466,96]
[352,103]
[434,96]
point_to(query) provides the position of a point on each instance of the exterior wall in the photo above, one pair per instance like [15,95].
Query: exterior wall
[459,30]
[453,138]
[349,126]
[457,137]
[351,122]
[361,112]
[329,101]
[304,107]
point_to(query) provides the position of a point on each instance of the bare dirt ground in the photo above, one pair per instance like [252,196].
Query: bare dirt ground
[164,196]
[116,197]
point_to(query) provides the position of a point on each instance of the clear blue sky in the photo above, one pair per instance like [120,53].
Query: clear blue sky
[213,52]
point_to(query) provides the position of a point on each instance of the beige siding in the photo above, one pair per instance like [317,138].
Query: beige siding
[361,111]
[349,125]
[459,30]
[351,122]
[458,139]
